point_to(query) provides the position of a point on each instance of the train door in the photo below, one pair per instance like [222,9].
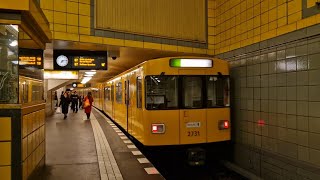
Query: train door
[127,101]
[192,114]
[112,100]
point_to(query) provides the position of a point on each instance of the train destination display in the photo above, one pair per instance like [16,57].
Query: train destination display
[80,60]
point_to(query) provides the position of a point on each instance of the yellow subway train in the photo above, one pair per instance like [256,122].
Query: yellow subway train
[170,101]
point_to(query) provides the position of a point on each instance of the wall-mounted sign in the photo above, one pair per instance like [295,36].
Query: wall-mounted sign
[80,60]
[61,74]
[31,58]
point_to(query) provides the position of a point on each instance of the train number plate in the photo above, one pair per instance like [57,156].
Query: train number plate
[193,124]
[193,133]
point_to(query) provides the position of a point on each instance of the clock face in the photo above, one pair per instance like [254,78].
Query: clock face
[62,60]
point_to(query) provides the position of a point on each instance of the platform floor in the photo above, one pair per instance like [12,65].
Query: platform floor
[79,149]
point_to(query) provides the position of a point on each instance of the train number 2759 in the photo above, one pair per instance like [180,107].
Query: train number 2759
[193,133]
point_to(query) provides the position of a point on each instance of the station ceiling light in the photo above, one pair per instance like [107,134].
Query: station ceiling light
[88,75]
[90,72]
[85,80]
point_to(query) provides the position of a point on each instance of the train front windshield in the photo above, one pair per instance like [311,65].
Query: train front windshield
[187,92]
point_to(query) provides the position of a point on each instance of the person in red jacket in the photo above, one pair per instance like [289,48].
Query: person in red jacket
[87,104]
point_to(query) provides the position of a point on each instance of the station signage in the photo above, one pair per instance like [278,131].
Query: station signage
[30,58]
[80,60]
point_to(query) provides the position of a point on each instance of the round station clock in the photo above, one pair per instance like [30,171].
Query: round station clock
[62,60]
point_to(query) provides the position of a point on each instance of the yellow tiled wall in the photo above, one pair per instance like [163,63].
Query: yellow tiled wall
[71,20]
[238,23]
[5,148]
[33,141]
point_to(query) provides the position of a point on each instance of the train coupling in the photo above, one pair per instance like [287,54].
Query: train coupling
[196,156]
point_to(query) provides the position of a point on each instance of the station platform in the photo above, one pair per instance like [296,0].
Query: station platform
[94,149]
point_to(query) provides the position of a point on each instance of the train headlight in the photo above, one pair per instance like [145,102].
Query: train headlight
[224,124]
[158,128]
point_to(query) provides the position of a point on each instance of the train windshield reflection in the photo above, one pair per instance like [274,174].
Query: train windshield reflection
[162,92]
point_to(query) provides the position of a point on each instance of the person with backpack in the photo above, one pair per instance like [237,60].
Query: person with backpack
[87,104]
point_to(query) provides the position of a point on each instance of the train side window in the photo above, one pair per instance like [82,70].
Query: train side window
[192,92]
[119,92]
[139,92]
[107,93]
[218,91]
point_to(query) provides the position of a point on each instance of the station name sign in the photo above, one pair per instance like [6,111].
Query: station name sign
[80,60]
[31,58]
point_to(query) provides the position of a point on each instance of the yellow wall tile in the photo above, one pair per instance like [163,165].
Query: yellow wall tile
[282,10]
[5,172]
[185,49]
[264,28]
[72,7]
[72,19]
[152,45]
[5,153]
[84,1]
[47,4]
[133,43]
[49,15]
[66,36]
[256,10]
[294,17]
[84,9]
[5,129]
[264,6]
[84,21]
[91,39]
[73,29]
[273,25]
[169,47]
[256,21]
[264,18]
[294,6]
[60,28]
[311,20]
[84,31]
[273,14]
[60,5]
[60,17]
[282,21]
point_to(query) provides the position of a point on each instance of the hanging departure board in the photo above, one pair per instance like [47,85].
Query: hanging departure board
[30,58]
[80,60]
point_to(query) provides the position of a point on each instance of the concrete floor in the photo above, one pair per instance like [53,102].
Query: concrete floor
[70,149]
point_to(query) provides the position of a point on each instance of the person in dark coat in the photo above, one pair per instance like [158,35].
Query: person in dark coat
[65,101]
[61,98]
[74,100]
[88,107]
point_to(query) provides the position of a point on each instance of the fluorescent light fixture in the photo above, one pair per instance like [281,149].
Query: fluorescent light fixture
[15,62]
[14,43]
[204,63]
[71,89]
[85,80]
[88,75]
[90,72]
[61,75]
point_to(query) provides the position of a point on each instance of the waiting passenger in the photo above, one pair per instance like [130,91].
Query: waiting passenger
[65,101]
[80,101]
[87,104]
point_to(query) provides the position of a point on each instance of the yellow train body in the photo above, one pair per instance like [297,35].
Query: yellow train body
[125,99]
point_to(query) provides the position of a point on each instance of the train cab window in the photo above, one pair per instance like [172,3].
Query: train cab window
[218,91]
[119,92]
[139,92]
[192,92]
[161,92]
